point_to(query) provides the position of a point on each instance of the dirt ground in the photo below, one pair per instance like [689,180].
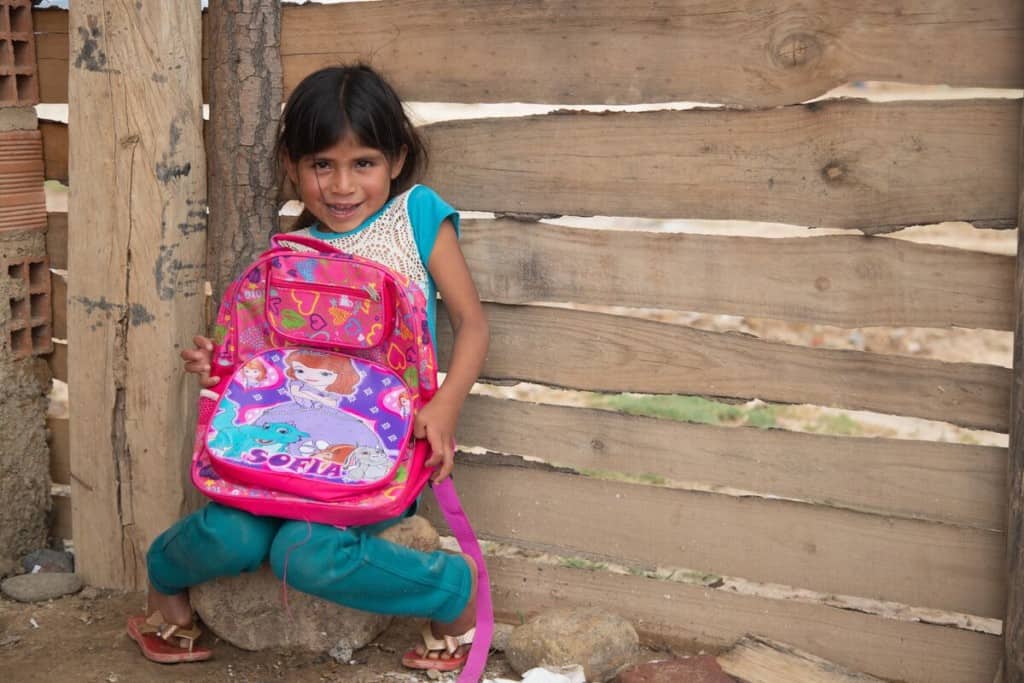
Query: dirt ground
[74,639]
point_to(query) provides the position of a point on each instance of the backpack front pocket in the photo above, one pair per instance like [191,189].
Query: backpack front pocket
[354,313]
[315,423]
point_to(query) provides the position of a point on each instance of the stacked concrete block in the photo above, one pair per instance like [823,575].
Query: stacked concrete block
[29,325]
[19,85]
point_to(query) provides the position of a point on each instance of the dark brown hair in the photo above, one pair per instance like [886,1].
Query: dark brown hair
[333,102]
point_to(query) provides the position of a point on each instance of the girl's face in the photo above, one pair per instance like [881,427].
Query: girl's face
[345,184]
[320,378]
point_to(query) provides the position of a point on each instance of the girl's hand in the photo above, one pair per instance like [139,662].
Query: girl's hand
[198,361]
[436,424]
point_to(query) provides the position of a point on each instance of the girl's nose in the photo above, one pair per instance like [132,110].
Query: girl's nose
[344,182]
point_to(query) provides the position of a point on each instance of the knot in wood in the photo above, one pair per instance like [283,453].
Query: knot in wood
[822,284]
[796,50]
[834,172]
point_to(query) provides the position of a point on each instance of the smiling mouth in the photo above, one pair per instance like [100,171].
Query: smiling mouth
[343,209]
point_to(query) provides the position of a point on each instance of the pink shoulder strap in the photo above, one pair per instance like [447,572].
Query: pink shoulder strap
[455,517]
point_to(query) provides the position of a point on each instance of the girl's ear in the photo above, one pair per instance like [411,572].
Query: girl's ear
[398,162]
[290,169]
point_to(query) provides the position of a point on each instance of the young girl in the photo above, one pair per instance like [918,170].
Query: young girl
[353,156]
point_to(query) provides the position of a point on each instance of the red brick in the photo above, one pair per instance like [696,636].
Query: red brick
[19,85]
[699,669]
[29,329]
[22,194]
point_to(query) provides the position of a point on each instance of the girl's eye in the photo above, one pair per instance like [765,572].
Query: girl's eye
[321,164]
[364,163]
[324,373]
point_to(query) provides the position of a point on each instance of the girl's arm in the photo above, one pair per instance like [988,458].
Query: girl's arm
[436,422]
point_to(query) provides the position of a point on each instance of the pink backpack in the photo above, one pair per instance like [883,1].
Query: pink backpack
[324,359]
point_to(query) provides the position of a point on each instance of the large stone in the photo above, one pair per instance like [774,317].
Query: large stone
[41,586]
[248,612]
[601,642]
[48,561]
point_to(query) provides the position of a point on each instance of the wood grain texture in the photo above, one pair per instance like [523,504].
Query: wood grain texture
[682,615]
[875,167]
[758,660]
[846,281]
[840,163]
[60,450]
[57,239]
[944,482]
[58,361]
[55,149]
[1013,629]
[600,352]
[749,52]
[52,49]
[61,518]
[136,295]
[805,546]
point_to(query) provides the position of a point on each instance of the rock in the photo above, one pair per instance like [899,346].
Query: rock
[502,634]
[601,642]
[701,669]
[247,610]
[90,593]
[40,586]
[48,561]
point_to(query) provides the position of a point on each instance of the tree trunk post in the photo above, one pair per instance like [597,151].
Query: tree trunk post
[136,263]
[245,93]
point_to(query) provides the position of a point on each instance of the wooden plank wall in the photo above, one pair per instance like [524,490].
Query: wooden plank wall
[910,522]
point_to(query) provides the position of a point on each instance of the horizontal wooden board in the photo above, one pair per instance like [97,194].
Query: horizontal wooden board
[600,352]
[945,482]
[60,451]
[840,163]
[806,546]
[52,50]
[843,280]
[761,52]
[55,149]
[57,239]
[685,616]
[59,301]
[843,163]
[764,52]
[60,518]
[58,361]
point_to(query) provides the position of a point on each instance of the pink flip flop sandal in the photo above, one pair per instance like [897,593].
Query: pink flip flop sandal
[435,647]
[166,643]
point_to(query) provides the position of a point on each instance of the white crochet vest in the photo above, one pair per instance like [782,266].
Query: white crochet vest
[388,240]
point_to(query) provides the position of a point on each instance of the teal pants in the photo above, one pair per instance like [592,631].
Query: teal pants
[352,567]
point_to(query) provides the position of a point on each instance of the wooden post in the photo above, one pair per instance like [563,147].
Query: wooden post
[245,90]
[136,263]
[1013,625]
